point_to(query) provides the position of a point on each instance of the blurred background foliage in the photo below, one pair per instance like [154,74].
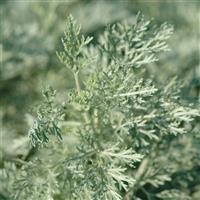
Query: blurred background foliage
[30,36]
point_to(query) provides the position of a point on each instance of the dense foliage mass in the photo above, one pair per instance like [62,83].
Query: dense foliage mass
[117,133]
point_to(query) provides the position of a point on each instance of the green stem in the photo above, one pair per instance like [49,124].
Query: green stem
[146,193]
[77,82]
[76,78]
[140,172]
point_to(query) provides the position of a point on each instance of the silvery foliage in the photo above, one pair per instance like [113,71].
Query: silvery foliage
[118,132]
